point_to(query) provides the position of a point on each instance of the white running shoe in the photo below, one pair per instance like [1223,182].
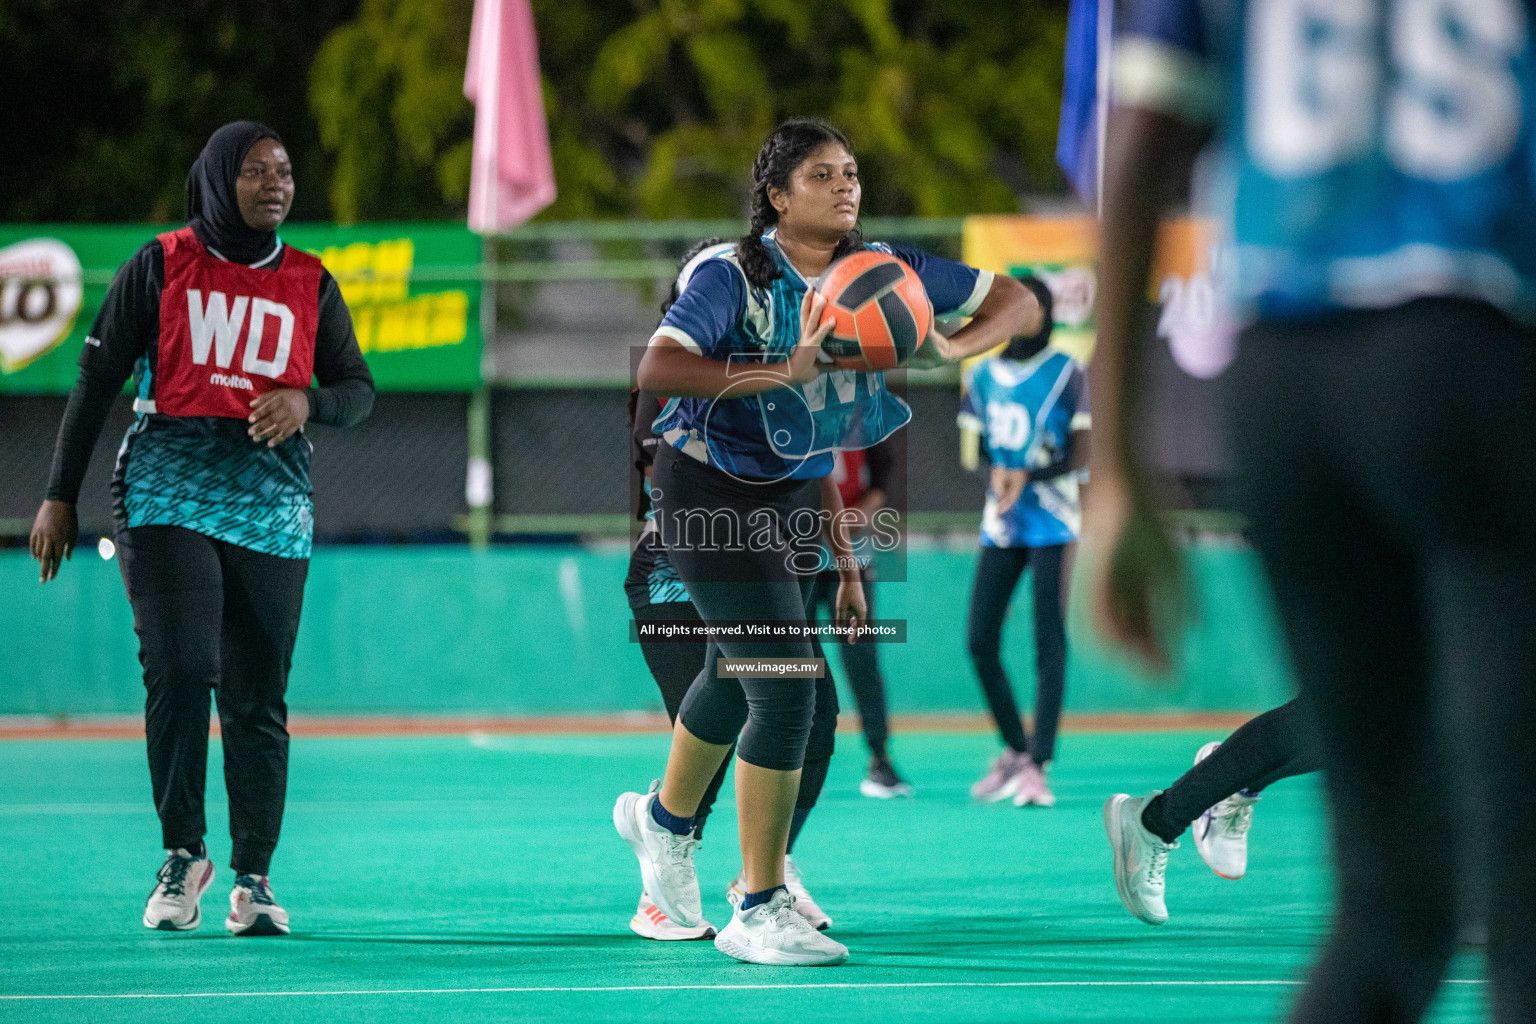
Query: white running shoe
[253,910]
[772,933]
[1221,833]
[650,923]
[666,860]
[179,884]
[1033,790]
[1002,779]
[804,905]
[1141,858]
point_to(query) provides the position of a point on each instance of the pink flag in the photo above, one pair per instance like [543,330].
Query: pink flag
[511,176]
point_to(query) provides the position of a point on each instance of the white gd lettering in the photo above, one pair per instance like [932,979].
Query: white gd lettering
[215,328]
[1452,107]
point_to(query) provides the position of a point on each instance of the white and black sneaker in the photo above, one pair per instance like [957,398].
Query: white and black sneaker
[882,782]
[666,860]
[179,884]
[773,933]
[253,910]
[1221,833]
[1140,858]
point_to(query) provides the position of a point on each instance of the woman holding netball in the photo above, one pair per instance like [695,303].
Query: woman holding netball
[223,327]
[750,426]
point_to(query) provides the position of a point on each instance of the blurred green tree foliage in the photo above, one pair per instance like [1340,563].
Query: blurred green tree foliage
[656,107]
[108,104]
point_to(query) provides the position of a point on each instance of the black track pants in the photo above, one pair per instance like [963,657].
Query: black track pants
[997,574]
[214,618]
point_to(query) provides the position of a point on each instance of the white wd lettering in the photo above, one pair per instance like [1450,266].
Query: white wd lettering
[216,325]
[216,329]
[274,367]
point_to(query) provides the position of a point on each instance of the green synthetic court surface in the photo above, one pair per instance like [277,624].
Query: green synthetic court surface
[480,879]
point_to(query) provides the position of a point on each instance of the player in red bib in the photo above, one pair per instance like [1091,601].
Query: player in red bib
[224,329]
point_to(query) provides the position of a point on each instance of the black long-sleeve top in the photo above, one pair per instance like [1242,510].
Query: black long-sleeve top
[127,330]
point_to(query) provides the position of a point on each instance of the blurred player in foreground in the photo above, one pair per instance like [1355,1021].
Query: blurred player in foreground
[1379,163]
[223,326]
[1029,406]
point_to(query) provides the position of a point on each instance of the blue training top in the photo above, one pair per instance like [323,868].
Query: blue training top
[1025,413]
[1374,151]
[787,432]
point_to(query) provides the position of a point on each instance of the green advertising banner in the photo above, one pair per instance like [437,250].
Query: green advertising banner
[413,290]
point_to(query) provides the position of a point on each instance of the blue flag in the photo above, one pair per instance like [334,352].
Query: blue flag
[1077,137]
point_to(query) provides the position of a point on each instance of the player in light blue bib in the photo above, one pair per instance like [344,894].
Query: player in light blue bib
[1029,404]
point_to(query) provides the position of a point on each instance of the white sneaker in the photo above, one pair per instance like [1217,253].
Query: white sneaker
[1221,833]
[772,933]
[253,910]
[650,923]
[1141,858]
[180,883]
[1033,790]
[804,905]
[666,860]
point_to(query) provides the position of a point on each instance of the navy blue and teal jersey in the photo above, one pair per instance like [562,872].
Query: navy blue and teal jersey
[203,473]
[788,432]
[1026,413]
[1370,151]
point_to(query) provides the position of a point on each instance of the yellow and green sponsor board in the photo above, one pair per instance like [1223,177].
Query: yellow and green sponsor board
[413,290]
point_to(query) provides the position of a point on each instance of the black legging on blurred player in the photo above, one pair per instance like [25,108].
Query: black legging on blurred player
[214,618]
[1389,479]
[997,575]
[1276,745]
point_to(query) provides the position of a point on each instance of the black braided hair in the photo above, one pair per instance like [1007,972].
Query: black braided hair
[786,149]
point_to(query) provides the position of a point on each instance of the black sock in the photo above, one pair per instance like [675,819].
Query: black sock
[753,899]
[1154,818]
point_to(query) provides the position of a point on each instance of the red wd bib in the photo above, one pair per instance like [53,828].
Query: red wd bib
[229,332]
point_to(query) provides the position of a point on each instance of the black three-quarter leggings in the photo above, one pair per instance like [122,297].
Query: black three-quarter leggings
[214,618]
[734,544]
[997,575]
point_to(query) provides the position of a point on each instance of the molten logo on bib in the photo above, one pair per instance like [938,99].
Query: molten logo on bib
[253,328]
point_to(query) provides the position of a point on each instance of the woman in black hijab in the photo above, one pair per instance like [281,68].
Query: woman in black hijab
[225,329]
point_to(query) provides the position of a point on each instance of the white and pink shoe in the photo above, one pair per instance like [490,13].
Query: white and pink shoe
[650,923]
[179,884]
[1033,790]
[253,910]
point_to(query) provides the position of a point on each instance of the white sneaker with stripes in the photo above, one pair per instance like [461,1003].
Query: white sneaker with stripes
[650,923]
